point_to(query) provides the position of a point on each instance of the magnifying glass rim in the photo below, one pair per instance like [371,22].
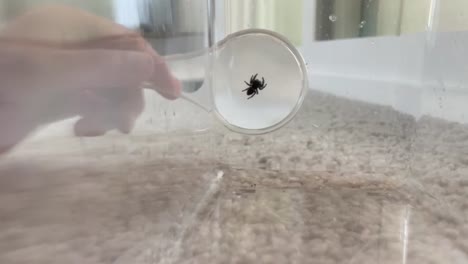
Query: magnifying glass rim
[305,83]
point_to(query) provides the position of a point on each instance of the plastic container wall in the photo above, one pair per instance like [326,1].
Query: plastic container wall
[371,170]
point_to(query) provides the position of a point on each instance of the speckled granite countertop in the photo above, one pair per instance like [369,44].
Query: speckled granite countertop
[368,185]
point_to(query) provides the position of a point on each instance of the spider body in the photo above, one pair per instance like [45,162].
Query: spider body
[254,86]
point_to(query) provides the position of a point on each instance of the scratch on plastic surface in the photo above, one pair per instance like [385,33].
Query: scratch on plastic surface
[174,253]
[146,254]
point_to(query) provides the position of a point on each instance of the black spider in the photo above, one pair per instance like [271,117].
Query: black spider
[254,85]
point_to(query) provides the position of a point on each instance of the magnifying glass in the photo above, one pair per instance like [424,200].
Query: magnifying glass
[255,80]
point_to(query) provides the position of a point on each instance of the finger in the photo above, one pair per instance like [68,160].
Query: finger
[93,64]
[55,69]
[100,69]
[90,127]
[96,120]
[130,42]
[60,23]
[117,109]
[107,68]
[165,82]
[126,111]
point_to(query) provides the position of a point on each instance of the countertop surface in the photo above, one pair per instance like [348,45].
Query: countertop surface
[344,182]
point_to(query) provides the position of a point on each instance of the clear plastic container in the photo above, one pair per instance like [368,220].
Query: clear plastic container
[369,166]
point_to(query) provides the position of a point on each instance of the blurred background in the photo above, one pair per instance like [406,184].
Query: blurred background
[372,170]
[350,46]
[327,19]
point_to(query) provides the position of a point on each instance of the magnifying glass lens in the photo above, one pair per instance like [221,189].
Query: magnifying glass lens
[258,81]
[255,81]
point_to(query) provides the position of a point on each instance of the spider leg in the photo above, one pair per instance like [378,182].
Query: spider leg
[251,96]
[246,89]
[247,83]
[263,86]
[253,78]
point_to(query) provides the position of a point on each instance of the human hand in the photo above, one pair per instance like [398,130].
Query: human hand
[59,62]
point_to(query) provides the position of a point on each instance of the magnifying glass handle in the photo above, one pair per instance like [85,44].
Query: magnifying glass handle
[253,80]
[191,70]
[201,97]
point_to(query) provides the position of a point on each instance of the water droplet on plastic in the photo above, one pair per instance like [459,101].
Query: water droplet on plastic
[362,24]
[333,18]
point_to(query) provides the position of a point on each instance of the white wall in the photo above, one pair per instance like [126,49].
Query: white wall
[453,15]
[282,16]
[415,16]
[420,72]
[414,74]
[389,17]
[126,13]
[382,70]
